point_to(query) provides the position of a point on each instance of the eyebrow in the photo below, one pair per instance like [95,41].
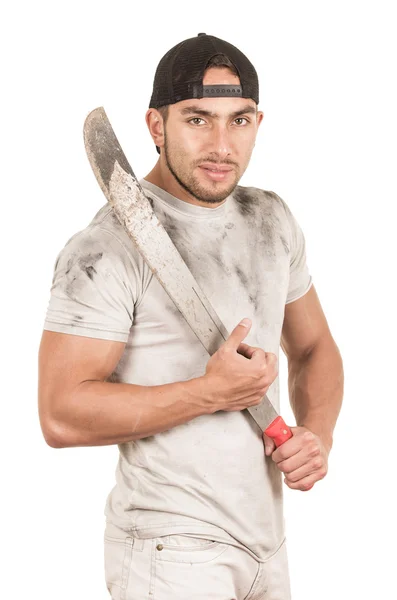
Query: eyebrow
[196,110]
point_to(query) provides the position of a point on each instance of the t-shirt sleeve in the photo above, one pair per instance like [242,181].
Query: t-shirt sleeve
[300,279]
[94,288]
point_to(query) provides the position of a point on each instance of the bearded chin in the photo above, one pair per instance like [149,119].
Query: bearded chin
[190,184]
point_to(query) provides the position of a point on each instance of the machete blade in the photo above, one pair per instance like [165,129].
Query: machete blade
[134,211]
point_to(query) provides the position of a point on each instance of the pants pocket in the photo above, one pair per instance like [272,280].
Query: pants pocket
[186,549]
[196,569]
[117,559]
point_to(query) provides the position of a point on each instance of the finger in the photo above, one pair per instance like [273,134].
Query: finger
[300,473]
[245,350]
[316,467]
[238,334]
[293,463]
[304,485]
[260,357]
[269,444]
[287,450]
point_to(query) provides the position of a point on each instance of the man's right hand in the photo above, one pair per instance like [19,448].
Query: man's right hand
[239,374]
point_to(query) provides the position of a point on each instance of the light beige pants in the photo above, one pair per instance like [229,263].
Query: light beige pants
[178,567]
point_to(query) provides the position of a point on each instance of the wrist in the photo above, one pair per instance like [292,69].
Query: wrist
[205,390]
[325,436]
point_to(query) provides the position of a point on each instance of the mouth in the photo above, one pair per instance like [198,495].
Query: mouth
[216,172]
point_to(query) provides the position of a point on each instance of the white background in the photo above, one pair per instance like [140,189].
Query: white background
[327,146]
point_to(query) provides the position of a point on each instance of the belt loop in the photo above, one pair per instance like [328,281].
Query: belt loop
[138,544]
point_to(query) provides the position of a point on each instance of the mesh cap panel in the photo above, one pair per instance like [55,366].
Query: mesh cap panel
[179,75]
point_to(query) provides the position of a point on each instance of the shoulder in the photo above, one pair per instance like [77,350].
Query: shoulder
[104,239]
[98,259]
[251,200]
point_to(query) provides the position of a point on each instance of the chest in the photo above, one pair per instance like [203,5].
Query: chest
[241,269]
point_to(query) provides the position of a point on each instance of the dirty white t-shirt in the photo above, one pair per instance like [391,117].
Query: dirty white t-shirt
[208,477]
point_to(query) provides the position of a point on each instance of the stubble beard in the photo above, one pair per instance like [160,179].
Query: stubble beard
[191,184]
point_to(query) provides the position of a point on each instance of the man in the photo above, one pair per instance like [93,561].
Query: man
[196,512]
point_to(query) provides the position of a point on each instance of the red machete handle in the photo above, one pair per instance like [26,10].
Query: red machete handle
[280,433]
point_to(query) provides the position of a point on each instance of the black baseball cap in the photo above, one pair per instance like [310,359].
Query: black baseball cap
[179,75]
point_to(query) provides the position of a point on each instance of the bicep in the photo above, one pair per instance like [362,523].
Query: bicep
[304,325]
[66,361]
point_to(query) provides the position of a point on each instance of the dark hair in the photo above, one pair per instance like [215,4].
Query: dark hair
[221,60]
[218,61]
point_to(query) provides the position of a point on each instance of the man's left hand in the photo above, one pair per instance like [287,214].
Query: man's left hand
[303,458]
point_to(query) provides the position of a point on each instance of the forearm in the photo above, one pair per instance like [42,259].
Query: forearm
[101,413]
[316,390]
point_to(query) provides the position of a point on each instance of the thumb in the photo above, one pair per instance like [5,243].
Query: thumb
[270,446]
[238,334]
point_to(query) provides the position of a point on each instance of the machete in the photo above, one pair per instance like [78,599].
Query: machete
[134,211]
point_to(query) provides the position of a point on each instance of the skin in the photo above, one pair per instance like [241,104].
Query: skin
[209,131]
[79,407]
[223,131]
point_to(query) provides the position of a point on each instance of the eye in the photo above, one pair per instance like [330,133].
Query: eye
[195,121]
[241,121]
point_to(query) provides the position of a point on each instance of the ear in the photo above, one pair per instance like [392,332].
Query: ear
[155,124]
[259,118]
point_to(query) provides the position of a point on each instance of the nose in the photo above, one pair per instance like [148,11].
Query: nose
[221,143]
